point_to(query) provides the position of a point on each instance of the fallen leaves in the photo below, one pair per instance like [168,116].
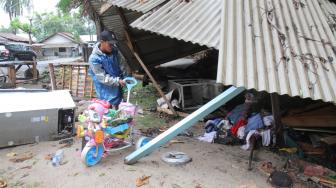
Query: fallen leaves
[24,175]
[11,154]
[176,186]
[3,184]
[26,167]
[21,159]
[144,180]
[48,157]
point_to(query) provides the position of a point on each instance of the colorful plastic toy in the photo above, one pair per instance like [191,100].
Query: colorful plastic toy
[107,130]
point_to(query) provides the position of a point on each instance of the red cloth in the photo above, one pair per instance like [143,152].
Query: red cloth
[236,126]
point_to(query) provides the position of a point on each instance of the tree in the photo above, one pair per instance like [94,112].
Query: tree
[47,24]
[14,8]
[5,30]
[85,9]
[25,27]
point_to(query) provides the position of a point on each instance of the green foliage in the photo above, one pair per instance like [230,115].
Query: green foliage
[5,30]
[67,5]
[25,27]
[47,24]
[14,8]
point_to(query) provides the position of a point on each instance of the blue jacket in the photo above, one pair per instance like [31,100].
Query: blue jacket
[106,71]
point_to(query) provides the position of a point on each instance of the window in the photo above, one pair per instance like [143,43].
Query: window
[62,50]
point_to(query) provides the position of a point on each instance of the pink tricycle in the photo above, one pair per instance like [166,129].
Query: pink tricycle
[107,130]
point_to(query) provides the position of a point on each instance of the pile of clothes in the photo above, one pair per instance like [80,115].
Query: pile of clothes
[240,124]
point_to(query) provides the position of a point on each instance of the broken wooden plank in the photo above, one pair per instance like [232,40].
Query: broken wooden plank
[310,121]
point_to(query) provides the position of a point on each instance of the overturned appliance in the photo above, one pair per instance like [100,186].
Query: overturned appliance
[193,93]
[28,116]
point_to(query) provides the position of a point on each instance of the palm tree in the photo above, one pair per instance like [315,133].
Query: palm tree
[14,8]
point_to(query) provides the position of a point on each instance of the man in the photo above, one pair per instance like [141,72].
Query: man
[106,71]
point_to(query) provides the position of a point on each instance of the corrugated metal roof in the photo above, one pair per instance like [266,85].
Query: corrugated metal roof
[284,47]
[137,5]
[153,49]
[329,10]
[13,37]
[197,21]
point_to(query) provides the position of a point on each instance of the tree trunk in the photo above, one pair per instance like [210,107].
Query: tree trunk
[30,38]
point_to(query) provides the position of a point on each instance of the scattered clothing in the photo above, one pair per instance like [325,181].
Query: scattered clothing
[268,120]
[227,125]
[241,132]
[239,124]
[226,138]
[239,112]
[255,122]
[213,125]
[266,137]
[249,135]
[208,137]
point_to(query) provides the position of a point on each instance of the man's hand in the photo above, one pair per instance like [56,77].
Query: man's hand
[122,83]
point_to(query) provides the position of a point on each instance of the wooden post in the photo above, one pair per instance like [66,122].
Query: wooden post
[12,75]
[35,72]
[63,76]
[85,77]
[77,80]
[277,118]
[52,76]
[155,83]
[91,89]
[70,79]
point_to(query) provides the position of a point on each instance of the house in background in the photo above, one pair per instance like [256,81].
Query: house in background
[10,37]
[90,40]
[61,44]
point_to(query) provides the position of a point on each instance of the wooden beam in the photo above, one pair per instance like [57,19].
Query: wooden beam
[105,7]
[52,76]
[85,77]
[12,75]
[34,71]
[155,84]
[77,81]
[63,76]
[70,79]
[91,89]
[183,124]
[277,118]
[128,34]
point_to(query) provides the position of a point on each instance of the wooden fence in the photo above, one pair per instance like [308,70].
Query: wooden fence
[75,77]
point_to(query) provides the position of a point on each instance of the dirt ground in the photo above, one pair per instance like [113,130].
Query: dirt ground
[213,165]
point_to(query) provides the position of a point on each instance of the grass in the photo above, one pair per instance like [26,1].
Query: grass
[145,97]
[148,121]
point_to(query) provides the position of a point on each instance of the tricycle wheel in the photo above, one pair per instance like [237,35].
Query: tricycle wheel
[88,155]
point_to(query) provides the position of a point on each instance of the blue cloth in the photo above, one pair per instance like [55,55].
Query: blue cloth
[240,111]
[106,72]
[212,125]
[253,123]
